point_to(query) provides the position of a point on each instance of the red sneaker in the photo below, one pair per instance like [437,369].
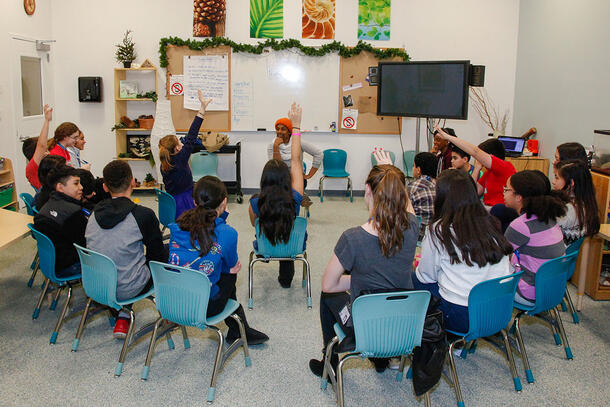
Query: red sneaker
[120,328]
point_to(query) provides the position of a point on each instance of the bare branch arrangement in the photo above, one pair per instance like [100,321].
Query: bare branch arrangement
[488,111]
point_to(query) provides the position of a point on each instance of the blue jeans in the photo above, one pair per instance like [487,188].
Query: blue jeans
[454,315]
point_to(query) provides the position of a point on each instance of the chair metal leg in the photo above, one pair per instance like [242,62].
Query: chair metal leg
[250,282]
[244,339]
[427,399]
[328,366]
[151,348]
[34,267]
[119,367]
[308,273]
[571,308]
[56,298]
[340,395]
[81,326]
[564,338]
[511,362]
[62,315]
[43,293]
[456,383]
[321,189]
[212,388]
[526,363]
[401,369]
[304,281]
[349,186]
[185,337]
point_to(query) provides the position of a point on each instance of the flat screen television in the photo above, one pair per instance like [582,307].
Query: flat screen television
[434,89]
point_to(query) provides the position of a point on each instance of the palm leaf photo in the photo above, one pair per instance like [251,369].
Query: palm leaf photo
[266,18]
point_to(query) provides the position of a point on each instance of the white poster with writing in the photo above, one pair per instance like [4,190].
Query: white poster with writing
[210,73]
[242,102]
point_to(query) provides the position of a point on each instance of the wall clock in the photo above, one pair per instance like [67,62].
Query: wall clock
[29,6]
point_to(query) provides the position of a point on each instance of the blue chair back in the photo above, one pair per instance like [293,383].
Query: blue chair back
[99,276]
[181,294]
[28,200]
[551,282]
[574,248]
[374,160]
[334,163]
[46,254]
[408,159]
[490,305]
[291,249]
[389,324]
[204,163]
[167,207]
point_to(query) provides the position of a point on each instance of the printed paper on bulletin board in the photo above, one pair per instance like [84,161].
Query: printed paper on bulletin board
[353,73]
[182,118]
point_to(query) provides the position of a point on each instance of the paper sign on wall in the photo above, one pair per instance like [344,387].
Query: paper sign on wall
[349,119]
[176,85]
[210,73]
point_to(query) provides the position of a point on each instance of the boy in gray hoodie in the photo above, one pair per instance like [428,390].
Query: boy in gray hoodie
[121,230]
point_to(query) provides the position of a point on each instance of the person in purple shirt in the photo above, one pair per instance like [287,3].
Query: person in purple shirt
[174,157]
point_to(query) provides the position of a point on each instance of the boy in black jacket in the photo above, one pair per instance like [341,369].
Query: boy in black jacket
[62,219]
[121,230]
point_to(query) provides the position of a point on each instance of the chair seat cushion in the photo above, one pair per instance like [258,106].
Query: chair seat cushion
[230,308]
[335,173]
[149,293]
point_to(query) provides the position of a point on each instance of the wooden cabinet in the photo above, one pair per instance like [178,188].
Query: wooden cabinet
[8,190]
[595,249]
[147,80]
[530,163]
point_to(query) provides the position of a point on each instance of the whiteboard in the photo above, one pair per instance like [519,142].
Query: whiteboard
[264,86]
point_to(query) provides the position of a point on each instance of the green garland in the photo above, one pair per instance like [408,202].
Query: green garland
[276,45]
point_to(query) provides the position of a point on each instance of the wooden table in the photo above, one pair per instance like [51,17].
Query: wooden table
[13,226]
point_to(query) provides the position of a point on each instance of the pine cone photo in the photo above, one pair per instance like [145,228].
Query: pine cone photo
[208,18]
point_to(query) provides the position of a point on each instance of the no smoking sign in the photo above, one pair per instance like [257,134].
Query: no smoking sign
[350,119]
[177,89]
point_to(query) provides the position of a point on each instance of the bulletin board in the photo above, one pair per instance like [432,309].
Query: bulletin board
[182,118]
[352,82]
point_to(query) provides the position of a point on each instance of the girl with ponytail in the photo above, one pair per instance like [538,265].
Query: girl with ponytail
[174,157]
[279,202]
[462,247]
[201,240]
[65,137]
[535,234]
[376,256]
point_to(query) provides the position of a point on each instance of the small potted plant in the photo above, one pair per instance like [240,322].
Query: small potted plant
[149,181]
[125,51]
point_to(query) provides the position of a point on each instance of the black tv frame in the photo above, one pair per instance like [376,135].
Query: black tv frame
[463,116]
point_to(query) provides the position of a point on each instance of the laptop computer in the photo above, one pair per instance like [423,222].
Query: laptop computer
[513,145]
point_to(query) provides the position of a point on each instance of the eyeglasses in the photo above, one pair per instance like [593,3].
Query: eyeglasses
[506,189]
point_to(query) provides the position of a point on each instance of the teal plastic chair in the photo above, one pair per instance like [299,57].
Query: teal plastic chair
[385,325]
[408,159]
[28,200]
[334,167]
[567,299]
[46,256]
[291,251]
[374,160]
[550,285]
[99,274]
[490,310]
[166,208]
[204,163]
[182,297]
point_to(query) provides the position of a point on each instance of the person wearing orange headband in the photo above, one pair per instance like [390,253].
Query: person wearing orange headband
[280,150]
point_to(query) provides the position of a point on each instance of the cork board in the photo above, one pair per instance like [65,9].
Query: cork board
[182,118]
[353,71]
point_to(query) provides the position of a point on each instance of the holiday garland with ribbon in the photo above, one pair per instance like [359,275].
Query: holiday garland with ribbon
[334,46]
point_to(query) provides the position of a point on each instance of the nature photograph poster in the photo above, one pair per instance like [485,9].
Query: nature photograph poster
[266,18]
[318,19]
[374,19]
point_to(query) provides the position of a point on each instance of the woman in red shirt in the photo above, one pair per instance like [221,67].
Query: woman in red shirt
[66,135]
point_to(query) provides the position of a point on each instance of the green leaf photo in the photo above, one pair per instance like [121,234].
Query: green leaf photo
[374,19]
[266,18]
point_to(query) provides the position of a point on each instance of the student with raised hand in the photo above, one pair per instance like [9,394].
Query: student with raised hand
[281,195]
[65,137]
[461,248]
[535,235]
[127,233]
[35,149]
[442,148]
[374,256]
[573,178]
[202,240]
[491,155]
[174,157]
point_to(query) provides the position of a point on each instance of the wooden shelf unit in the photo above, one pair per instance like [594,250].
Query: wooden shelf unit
[596,251]
[7,177]
[530,163]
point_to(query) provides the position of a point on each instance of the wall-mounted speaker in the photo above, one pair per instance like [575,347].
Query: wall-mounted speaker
[89,89]
[477,75]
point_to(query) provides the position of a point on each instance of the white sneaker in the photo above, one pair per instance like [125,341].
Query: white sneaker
[394,364]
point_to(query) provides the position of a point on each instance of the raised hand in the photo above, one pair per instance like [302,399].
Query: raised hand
[204,102]
[294,114]
[382,157]
[441,132]
[48,113]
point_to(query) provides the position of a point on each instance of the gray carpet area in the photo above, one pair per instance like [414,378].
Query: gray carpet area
[36,373]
